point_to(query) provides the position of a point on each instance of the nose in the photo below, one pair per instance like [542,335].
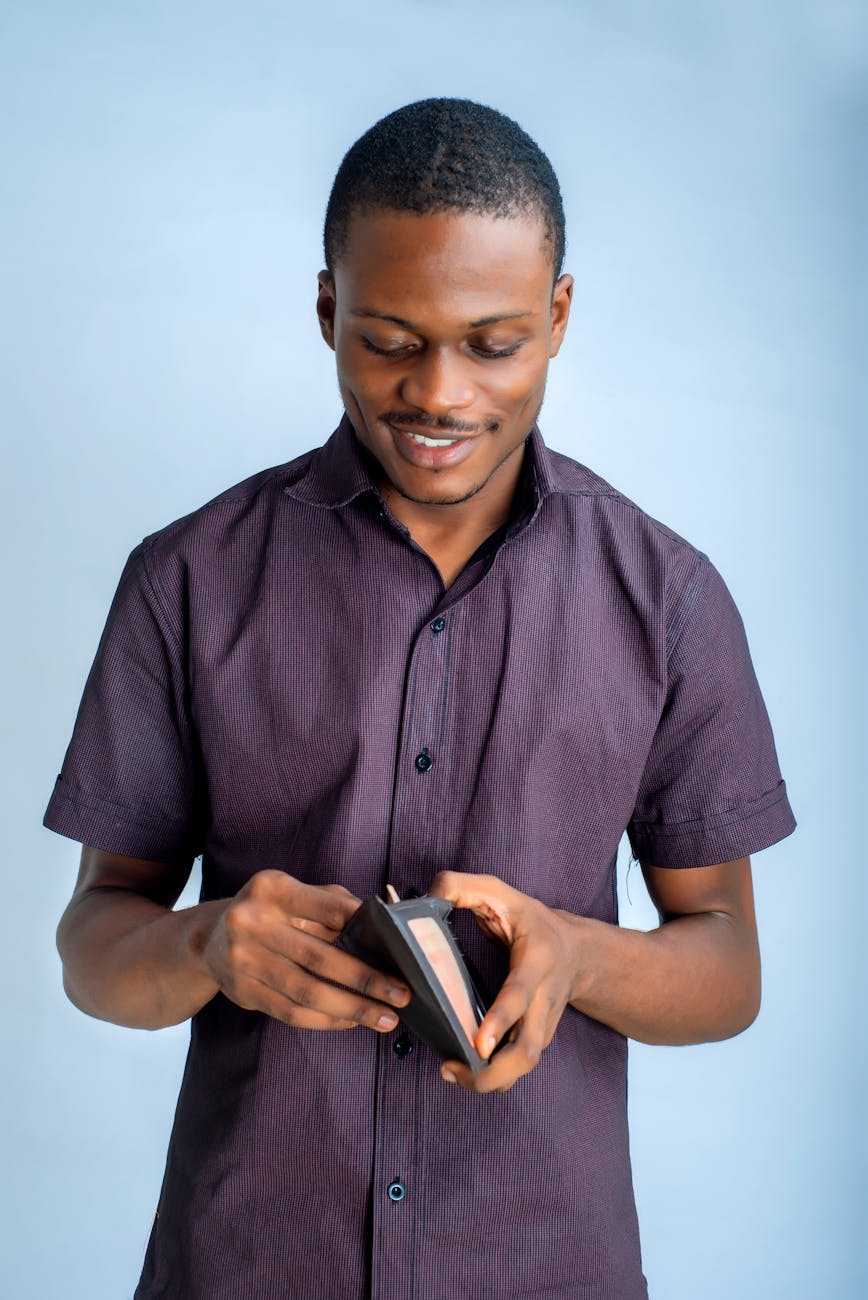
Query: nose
[438,383]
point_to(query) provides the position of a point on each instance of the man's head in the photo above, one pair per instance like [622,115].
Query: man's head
[442,296]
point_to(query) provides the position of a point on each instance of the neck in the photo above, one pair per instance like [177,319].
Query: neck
[460,523]
[450,533]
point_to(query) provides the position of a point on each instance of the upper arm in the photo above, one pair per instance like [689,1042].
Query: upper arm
[160,881]
[100,873]
[725,888]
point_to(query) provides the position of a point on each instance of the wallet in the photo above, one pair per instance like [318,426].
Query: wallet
[413,939]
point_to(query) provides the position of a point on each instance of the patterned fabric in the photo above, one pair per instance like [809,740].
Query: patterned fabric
[271,667]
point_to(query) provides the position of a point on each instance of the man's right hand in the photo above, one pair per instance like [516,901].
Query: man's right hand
[272,950]
[131,959]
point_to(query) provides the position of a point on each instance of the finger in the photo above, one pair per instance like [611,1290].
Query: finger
[491,900]
[316,1020]
[316,928]
[469,889]
[330,906]
[510,1005]
[327,962]
[511,1063]
[498,1076]
[273,1004]
[292,987]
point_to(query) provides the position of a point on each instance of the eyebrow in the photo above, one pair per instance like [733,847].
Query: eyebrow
[408,325]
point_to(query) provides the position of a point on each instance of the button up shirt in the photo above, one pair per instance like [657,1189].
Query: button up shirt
[284,681]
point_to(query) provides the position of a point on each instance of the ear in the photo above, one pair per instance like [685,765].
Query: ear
[562,299]
[325,307]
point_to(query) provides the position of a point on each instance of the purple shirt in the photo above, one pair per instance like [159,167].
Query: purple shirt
[271,667]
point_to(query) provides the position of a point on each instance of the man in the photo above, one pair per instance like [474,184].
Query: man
[432,654]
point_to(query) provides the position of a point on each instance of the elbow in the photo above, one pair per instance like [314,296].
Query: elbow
[753,1003]
[744,983]
[70,992]
[61,940]
[746,1007]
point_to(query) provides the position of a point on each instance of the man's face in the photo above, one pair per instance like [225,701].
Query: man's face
[443,326]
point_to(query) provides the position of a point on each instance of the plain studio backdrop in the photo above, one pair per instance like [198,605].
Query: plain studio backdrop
[166,168]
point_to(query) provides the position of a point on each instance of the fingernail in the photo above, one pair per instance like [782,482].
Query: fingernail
[487,1045]
[387,1021]
[398,995]
[448,1076]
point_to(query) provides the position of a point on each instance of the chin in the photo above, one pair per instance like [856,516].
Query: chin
[441,499]
[434,488]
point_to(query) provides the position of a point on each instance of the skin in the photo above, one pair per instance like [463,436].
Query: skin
[403,313]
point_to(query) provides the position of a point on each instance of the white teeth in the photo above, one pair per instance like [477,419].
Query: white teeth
[432,442]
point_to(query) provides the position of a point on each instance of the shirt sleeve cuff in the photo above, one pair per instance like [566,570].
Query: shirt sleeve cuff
[116,829]
[736,833]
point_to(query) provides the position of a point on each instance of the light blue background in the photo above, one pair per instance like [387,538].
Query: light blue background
[165,170]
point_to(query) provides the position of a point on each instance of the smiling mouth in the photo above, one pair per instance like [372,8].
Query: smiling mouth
[436,432]
[430,448]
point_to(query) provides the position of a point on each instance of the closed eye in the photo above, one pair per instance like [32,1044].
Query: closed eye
[386,352]
[487,353]
[497,352]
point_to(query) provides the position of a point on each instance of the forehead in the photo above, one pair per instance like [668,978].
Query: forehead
[465,261]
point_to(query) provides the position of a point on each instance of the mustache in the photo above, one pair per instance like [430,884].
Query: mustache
[446,424]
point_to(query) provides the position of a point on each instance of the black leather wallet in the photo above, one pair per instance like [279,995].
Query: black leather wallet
[413,939]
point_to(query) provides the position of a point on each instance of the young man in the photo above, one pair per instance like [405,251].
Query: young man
[435,654]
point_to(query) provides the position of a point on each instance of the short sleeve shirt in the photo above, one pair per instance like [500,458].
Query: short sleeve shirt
[272,667]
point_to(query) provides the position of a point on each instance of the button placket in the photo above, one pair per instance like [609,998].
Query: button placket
[418,808]
[396,1170]
[420,769]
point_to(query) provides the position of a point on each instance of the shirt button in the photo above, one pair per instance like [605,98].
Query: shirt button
[424,761]
[396,1190]
[438,625]
[402,1046]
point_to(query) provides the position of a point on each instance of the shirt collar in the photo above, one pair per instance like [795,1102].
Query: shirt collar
[342,469]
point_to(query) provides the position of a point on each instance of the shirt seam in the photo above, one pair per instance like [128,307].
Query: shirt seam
[161,600]
[132,817]
[691,601]
[613,494]
[719,821]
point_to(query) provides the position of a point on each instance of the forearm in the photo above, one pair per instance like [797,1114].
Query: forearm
[694,979]
[134,962]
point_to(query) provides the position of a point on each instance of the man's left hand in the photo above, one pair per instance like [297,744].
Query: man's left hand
[543,971]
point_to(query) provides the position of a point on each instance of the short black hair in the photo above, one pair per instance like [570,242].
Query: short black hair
[439,154]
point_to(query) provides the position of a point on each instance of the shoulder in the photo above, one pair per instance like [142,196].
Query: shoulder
[623,543]
[588,493]
[225,531]
[257,495]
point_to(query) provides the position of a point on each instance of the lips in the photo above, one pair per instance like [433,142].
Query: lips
[431,457]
